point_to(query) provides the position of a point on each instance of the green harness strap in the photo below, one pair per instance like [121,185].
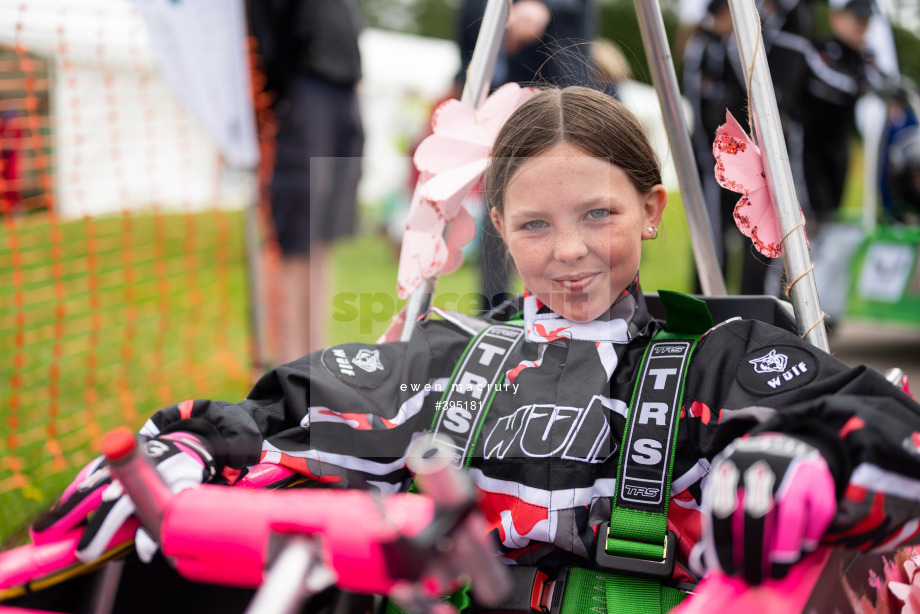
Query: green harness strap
[461,600]
[512,333]
[637,551]
[589,590]
[472,387]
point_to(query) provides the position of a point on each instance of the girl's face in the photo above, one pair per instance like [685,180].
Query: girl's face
[574,226]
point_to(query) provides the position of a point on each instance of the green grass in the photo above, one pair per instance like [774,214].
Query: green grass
[667,262]
[76,360]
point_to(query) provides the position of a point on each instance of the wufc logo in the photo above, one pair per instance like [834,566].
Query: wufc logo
[771,362]
[787,376]
[342,360]
[369,360]
[540,431]
[774,362]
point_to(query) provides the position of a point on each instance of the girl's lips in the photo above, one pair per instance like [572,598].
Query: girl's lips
[576,283]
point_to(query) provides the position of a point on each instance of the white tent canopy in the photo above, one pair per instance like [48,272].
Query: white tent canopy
[122,139]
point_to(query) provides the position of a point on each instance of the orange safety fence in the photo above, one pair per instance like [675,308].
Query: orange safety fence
[107,311]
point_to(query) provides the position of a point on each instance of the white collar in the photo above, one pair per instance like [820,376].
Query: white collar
[543,325]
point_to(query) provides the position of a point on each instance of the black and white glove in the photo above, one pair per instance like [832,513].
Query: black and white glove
[99,503]
[768,501]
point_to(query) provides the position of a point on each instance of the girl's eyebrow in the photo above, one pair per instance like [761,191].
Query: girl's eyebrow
[528,213]
[604,200]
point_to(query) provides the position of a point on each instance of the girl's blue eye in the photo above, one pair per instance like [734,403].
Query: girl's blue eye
[534,225]
[597,214]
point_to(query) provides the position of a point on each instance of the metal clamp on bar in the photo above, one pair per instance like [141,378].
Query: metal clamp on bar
[616,562]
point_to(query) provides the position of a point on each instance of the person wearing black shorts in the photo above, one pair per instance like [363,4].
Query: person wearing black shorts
[312,64]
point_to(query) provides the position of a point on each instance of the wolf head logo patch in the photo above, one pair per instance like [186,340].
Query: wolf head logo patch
[369,360]
[769,370]
[771,362]
[360,365]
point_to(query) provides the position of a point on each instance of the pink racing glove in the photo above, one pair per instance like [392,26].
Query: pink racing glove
[97,502]
[769,500]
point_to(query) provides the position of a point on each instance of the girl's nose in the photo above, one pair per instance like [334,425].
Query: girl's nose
[569,246]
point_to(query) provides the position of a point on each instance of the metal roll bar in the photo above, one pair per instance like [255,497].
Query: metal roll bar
[475,91]
[762,100]
[655,40]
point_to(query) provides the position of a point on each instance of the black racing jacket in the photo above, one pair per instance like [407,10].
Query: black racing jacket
[545,459]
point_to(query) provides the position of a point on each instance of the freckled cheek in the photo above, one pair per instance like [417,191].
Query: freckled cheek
[529,257]
[618,247]
[606,246]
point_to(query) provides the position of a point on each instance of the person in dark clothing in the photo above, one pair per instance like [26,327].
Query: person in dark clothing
[710,87]
[546,42]
[611,65]
[902,174]
[829,119]
[309,50]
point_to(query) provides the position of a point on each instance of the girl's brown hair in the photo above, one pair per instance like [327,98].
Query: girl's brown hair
[585,118]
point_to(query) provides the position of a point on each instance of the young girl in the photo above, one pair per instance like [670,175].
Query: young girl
[585,453]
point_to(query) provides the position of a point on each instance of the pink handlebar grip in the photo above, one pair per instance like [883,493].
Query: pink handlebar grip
[139,478]
[221,535]
[474,553]
[118,443]
[24,565]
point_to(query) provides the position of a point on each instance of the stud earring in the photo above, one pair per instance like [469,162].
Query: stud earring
[653,232]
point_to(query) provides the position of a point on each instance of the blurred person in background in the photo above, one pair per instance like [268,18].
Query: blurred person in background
[714,82]
[312,65]
[710,88]
[611,66]
[830,122]
[903,175]
[545,42]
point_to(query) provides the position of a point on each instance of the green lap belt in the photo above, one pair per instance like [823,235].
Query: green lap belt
[589,590]
[635,550]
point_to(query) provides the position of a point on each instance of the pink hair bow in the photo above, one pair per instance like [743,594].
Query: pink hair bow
[450,162]
[739,168]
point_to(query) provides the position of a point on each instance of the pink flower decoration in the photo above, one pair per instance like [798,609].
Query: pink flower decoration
[739,168]
[904,580]
[450,162]
[425,253]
